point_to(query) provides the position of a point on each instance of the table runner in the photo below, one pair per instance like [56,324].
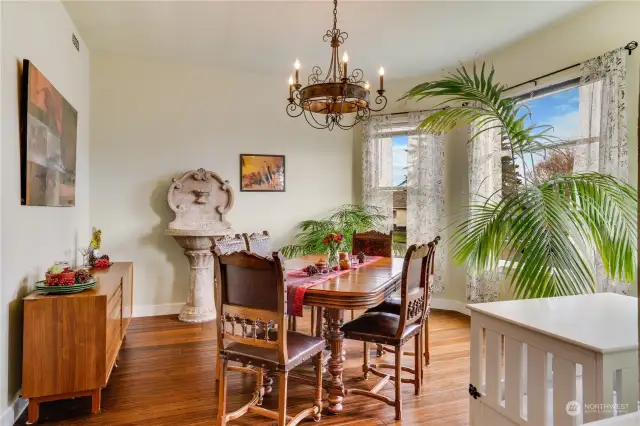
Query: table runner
[298,282]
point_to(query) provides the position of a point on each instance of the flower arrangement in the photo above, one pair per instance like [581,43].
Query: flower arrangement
[334,243]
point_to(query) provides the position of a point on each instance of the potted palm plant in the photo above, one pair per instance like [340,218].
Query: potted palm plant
[549,229]
[342,221]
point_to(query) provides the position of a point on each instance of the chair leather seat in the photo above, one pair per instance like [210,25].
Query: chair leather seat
[379,327]
[392,305]
[300,347]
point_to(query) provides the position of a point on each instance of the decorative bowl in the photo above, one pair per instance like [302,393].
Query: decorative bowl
[64,289]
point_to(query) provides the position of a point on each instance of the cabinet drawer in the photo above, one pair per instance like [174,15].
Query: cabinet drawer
[114,319]
[115,298]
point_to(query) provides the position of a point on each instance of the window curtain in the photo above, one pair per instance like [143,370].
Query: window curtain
[603,131]
[377,167]
[425,191]
[485,182]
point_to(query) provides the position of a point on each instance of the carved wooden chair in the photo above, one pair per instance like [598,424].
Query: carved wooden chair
[260,244]
[228,244]
[251,304]
[393,305]
[396,330]
[372,243]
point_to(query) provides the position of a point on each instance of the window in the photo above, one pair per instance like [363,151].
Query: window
[559,107]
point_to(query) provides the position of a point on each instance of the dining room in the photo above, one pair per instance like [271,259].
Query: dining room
[346,212]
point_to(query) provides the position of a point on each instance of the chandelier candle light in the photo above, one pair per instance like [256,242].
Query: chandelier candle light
[336,98]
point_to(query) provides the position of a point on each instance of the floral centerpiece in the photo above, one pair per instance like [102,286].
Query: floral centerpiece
[334,244]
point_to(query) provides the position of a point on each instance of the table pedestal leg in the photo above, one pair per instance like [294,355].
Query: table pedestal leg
[336,362]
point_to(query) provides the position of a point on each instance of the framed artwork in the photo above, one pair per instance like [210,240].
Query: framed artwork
[262,173]
[48,134]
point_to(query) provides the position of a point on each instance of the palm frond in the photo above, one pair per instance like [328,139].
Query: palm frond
[547,231]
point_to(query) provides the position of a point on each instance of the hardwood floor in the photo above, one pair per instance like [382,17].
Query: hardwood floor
[165,377]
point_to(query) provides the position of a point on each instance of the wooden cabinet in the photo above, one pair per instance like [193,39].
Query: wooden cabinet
[71,342]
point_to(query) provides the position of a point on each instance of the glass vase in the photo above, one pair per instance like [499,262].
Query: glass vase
[332,258]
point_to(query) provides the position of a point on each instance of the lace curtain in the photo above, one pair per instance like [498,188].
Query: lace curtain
[377,167]
[485,181]
[425,191]
[603,130]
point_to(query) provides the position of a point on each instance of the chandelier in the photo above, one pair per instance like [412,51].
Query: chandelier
[337,98]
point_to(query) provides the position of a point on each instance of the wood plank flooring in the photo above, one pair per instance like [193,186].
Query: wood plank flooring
[166,377]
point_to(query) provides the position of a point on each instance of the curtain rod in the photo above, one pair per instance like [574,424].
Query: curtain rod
[631,46]
[409,112]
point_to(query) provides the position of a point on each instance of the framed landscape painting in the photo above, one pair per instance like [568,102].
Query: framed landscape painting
[262,173]
[48,142]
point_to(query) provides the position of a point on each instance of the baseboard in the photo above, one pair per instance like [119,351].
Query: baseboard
[153,310]
[14,411]
[450,305]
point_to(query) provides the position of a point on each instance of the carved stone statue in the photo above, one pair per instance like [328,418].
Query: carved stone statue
[200,200]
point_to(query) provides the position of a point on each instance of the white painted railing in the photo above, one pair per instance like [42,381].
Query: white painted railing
[527,376]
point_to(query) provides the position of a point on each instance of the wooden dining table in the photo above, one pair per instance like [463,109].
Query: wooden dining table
[361,288]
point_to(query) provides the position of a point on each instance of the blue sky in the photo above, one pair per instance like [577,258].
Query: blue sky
[399,146]
[559,110]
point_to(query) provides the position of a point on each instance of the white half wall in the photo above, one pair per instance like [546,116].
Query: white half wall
[34,237]
[154,120]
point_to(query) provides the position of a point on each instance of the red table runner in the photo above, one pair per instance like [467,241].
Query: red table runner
[298,282]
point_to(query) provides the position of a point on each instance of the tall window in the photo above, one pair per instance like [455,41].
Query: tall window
[559,107]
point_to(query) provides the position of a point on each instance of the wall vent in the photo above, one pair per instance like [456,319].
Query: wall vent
[75,41]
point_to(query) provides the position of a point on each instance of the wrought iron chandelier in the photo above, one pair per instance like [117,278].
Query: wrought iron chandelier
[336,98]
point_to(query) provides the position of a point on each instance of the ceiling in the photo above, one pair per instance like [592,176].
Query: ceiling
[407,37]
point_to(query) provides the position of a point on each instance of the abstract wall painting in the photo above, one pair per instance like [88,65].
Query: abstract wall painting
[261,173]
[48,141]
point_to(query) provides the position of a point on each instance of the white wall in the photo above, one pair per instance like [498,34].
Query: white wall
[584,35]
[34,237]
[154,120]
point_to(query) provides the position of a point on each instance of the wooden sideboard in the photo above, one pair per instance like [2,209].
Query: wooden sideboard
[71,342]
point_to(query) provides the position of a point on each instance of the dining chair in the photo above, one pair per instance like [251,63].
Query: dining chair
[227,244]
[251,302]
[396,330]
[371,243]
[260,244]
[393,304]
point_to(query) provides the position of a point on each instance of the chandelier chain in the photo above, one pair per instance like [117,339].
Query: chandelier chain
[335,14]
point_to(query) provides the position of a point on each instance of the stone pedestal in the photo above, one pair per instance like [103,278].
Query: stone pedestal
[199,306]
[200,200]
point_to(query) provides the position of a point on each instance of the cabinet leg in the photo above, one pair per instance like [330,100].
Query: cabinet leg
[33,412]
[96,397]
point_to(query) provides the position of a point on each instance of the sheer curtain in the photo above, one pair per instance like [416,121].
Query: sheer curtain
[485,181]
[377,167]
[603,130]
[425,190]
